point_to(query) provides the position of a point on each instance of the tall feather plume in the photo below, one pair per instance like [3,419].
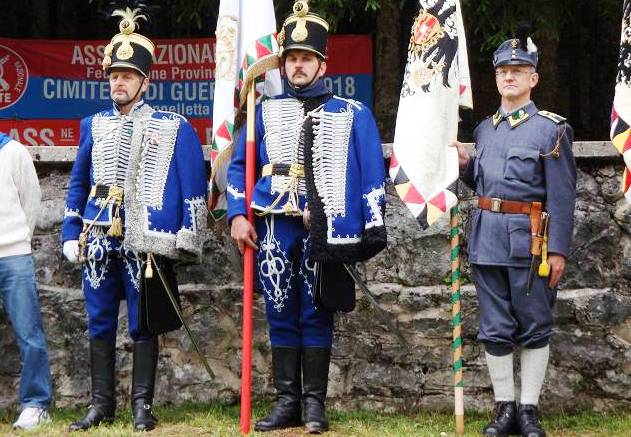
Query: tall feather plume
[138,8]
[129,23]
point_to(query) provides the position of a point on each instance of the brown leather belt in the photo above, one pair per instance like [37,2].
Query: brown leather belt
[495,204]
[532,209]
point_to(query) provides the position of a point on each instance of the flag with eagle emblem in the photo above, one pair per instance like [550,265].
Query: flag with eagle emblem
[246,48]
[621,111]
[423,167]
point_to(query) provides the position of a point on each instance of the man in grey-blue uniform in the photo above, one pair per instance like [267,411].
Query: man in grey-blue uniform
[523,167]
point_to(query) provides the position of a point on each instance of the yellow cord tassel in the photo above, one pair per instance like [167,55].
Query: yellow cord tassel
[149,269]
[544,267]
[116,195]
[116,229]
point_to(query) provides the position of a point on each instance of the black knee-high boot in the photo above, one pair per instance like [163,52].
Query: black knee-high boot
[315,379]
[143,383]
[286,374]
[103,404]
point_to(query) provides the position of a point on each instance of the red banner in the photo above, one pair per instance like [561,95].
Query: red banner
[47,86]
[40,133]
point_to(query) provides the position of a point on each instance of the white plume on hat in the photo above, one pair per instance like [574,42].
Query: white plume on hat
[530,46]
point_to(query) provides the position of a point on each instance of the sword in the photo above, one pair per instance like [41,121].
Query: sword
[181,316]
[381,313]
[531,274]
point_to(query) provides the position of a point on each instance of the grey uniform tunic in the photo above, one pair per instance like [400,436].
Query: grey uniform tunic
[525,156]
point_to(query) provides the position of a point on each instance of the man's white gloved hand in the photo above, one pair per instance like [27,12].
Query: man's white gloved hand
[71,250]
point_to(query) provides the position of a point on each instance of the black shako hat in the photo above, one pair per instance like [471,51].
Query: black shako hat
[128,49]
[304,31]
[517,51]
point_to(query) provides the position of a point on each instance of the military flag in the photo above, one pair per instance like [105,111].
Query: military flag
[423,167]
[621,111]
[246,45]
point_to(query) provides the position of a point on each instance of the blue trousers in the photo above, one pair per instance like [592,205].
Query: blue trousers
[19,296]
[509,316]
[286,279]
[110,274]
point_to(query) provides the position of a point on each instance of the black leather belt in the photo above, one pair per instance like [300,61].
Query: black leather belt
[102,191]
[295,170]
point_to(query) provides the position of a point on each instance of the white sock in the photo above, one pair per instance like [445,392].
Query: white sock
[534,363]
[501,372]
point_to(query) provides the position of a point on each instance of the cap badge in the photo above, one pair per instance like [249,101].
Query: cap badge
[125,51]
[300,32]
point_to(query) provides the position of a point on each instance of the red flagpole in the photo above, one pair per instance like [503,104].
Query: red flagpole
[248,267]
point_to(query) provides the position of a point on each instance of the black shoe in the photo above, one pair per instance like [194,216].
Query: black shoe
[103,405]
[504,421]
[286,375]
[144,420]
[94,417]
[315,378]
[528,418]
[143,383]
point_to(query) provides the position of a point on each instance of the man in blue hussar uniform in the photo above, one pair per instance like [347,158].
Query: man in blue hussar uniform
[523,170]
[319,201]
[138,186]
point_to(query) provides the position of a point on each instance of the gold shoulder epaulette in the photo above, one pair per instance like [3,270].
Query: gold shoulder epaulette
[558,119]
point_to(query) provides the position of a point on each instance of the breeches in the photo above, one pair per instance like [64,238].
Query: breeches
[286,278]
[111,273]
[508,315]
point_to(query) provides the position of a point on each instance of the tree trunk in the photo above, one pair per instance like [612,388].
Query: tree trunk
[387,67]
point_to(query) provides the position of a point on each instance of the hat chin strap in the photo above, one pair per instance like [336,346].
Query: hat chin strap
[311,82]
[118,105]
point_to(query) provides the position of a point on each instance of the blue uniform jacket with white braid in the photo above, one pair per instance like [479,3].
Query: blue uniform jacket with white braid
[156,157]
[347,165]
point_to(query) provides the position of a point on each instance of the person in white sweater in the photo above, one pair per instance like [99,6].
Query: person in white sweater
[20,197]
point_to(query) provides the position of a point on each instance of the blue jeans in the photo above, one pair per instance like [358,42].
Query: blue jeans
[19,295]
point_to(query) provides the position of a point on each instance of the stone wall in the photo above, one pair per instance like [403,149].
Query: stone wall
[591,355]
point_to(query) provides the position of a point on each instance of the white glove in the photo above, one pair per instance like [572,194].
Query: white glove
[71,250]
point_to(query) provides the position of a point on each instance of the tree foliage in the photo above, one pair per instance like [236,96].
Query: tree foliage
[578,40]
[495,21]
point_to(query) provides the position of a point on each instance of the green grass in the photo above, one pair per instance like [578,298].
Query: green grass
[219,420]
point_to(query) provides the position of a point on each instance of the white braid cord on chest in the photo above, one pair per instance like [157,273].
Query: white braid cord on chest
[283,120]
[158,145]
[110,151]
[332,131]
